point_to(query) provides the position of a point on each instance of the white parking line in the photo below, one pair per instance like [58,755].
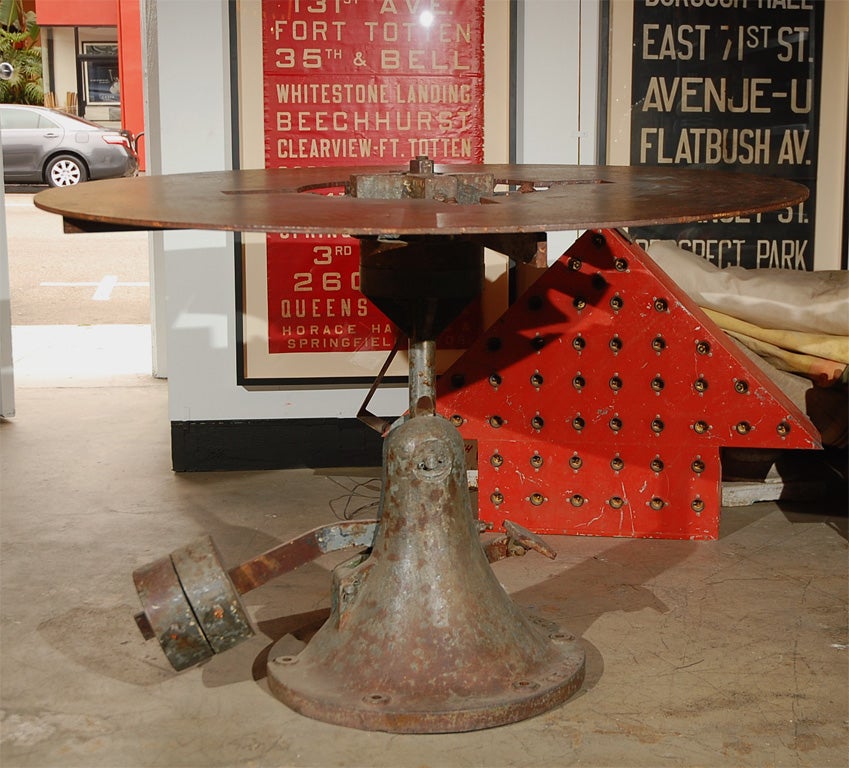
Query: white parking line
[103,289]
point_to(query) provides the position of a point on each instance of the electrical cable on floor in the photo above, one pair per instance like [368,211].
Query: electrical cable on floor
[366,490]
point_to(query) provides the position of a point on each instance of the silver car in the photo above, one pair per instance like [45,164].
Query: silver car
[44,146]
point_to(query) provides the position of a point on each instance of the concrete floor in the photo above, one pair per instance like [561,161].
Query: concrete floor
[727,653]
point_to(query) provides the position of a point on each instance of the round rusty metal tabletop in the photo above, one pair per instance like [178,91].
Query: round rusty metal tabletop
[528,198]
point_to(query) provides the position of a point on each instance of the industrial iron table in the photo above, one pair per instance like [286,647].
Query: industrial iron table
[421,636]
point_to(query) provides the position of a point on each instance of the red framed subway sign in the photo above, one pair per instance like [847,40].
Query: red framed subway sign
[354,82]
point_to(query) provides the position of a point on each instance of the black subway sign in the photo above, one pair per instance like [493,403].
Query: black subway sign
[731,85]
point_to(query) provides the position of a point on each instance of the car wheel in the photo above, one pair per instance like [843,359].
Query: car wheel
[65,171]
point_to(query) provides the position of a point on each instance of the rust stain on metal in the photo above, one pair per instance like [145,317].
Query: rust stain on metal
[192,606]
[213,598]
[305,548]
[169,614]
[517,542]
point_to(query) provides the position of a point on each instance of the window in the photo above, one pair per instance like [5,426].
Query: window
[23,119]
[100,73]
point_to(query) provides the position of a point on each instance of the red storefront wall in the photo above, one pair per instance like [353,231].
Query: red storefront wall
[126,16]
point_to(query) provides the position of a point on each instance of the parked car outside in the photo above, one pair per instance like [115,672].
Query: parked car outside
[45,146]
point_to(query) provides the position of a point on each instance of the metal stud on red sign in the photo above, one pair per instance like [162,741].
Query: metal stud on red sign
[599,402]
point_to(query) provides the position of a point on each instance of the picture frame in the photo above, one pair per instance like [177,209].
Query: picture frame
[263,358]
[100,74]
[783,95]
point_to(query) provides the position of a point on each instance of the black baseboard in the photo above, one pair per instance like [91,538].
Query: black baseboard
[207,446]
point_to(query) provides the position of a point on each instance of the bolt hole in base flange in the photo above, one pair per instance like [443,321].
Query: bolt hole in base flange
[376,699]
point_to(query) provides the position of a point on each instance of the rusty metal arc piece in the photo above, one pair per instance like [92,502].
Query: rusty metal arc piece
[212,596]
[352,533]
[543,198]
[309,546]
[192,605]
[170,615]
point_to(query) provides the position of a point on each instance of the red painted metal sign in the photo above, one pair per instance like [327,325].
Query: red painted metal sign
[368,82]
[600,400]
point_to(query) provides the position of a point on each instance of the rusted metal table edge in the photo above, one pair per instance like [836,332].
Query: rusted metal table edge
[269,201]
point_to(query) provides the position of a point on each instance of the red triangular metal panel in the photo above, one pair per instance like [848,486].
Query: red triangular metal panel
[600,399]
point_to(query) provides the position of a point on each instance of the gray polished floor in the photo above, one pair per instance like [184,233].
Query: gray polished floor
[726,653]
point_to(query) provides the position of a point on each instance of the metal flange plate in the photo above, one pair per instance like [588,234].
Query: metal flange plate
[314,691]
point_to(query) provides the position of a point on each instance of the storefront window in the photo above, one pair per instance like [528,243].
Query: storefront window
[100,73]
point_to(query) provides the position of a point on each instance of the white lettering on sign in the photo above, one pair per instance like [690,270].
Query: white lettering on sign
[721,94]
[321,6]
[414,32]
[314,31]
[781,254]
[361,148]
[682,43]
[793,145]
[722,252]
[326,337]
[373,93]
[787,5]
[707,94]
[303,149]
[388,120]
[796,215]
[706,146]
[414,7]
[318,308]
[421,60]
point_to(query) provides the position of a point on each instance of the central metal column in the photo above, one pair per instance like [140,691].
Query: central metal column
[422,376]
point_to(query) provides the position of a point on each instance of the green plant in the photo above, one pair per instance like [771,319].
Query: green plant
[19,34]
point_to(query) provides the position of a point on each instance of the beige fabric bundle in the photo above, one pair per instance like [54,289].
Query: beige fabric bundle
[798,321]
[812,302]
[821,357]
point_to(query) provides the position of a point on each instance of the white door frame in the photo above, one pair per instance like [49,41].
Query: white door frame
[7,371]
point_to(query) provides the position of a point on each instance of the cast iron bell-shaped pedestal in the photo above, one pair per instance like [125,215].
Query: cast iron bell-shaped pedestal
[422,638]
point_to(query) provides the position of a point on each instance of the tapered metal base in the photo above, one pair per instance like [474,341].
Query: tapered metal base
[422,638]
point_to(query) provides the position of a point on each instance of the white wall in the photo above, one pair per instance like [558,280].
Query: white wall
[557,88]
[189,116]
[64,64]
[833,126]
[7,376]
